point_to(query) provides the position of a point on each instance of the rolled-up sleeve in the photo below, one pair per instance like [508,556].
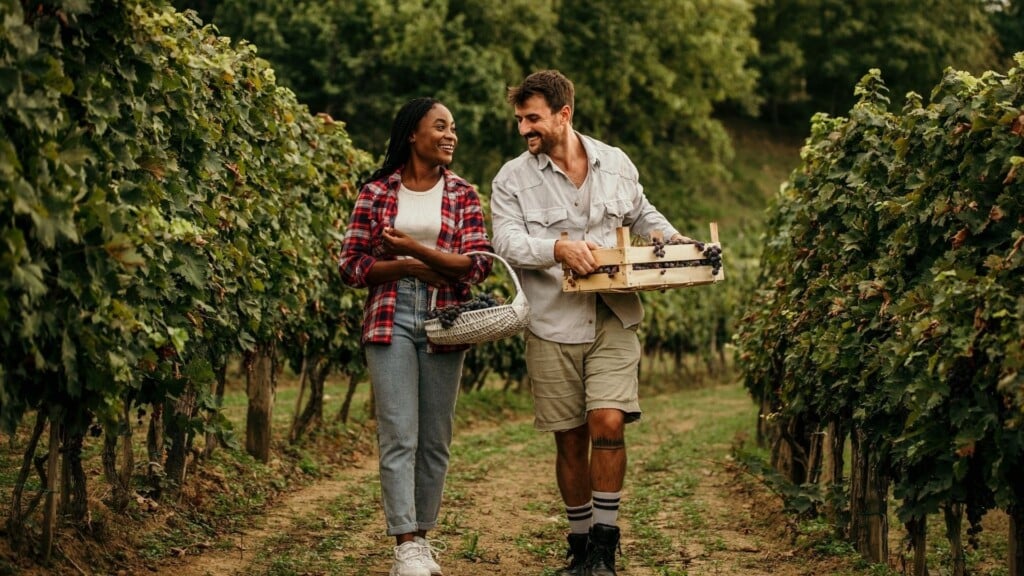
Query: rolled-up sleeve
[356,249]
[474,238]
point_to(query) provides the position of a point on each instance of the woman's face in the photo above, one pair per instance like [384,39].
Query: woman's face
[434,139]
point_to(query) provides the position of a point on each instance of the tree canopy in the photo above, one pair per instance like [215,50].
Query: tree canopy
[648,74]
[812,52]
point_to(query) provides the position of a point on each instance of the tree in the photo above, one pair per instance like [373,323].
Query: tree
[823,47]
[1007,18]
[649,75]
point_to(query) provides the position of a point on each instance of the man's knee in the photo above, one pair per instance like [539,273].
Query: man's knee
[573,443]
[606,423]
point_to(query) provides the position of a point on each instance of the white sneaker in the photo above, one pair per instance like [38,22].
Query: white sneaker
[409,560]
[430,551]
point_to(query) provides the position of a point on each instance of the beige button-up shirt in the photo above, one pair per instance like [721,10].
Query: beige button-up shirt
[533,202]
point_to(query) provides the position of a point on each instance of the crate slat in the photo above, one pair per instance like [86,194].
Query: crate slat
[630,279]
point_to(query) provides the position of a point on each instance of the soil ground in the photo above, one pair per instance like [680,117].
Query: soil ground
[503,516]
[688,510]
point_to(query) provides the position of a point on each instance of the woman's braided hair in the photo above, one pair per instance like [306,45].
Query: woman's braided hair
[406,120]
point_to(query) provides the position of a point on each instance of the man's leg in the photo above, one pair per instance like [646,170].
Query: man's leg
[612,400]
[572,470]
[607,472]
[606,428]
[556,373]
[572,467]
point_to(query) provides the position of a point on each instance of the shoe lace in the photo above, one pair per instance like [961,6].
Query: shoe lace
[433,547]
[409,555]
[603,554]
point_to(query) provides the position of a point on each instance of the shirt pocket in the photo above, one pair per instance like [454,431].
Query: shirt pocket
[615,211]
[547,222]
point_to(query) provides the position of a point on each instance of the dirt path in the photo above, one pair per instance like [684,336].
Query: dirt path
[238,553]
[684,513]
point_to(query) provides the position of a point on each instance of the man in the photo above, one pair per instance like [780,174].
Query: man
[582,351]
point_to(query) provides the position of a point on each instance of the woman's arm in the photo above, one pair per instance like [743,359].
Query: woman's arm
[390,270]
[448,265]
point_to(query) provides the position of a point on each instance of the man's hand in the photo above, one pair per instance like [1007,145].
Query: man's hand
[679,238]
[577,255]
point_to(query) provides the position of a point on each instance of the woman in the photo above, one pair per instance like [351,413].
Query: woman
[411,223]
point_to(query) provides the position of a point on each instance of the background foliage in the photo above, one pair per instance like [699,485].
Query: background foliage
[648,74]
[889,299]
[173,184]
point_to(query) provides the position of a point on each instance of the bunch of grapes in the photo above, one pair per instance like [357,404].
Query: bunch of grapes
[448,315]
[659,245]
[611,270]
[712,256]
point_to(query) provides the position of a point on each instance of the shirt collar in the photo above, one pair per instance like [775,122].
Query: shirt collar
[394,181]
[543,160]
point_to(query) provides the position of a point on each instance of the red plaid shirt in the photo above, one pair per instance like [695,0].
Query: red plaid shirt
[462,230]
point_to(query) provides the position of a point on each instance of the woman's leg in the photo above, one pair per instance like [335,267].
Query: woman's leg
[394,375]
[440,375]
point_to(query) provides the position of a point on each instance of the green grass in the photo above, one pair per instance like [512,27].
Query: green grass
[316,542]
[666,461]
[682,435]
[765,155]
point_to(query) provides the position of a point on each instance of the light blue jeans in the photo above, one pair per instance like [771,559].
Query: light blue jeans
[415,396]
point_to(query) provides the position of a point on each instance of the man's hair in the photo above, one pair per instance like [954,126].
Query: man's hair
[556,89]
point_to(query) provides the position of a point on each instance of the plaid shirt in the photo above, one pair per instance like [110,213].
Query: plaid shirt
[462,230]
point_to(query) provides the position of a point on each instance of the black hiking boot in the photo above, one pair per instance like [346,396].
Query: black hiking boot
[604,540]
[577,555]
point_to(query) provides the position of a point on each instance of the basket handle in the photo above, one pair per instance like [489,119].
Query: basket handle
[511,272]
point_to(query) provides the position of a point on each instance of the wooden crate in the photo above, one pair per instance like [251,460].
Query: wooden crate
[631,274]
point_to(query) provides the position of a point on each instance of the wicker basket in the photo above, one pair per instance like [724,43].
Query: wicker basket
[486,325]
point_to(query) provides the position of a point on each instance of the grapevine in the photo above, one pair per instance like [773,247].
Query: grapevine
[889,302]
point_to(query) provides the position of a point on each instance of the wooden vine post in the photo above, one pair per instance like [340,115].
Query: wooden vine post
[1016,543]
[50,501]
[869,487]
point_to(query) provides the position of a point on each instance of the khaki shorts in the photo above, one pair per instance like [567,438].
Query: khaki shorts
[569,380]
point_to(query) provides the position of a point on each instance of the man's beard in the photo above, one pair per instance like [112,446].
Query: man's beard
[542,144]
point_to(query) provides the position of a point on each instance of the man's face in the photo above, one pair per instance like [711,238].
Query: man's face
[542,128]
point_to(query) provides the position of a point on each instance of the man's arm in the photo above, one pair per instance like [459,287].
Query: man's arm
[511,237]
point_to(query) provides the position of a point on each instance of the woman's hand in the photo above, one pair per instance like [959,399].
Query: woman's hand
[426,273]
[398,243]
[429,265]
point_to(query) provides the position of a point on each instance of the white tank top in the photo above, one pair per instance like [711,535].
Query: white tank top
[419,213]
